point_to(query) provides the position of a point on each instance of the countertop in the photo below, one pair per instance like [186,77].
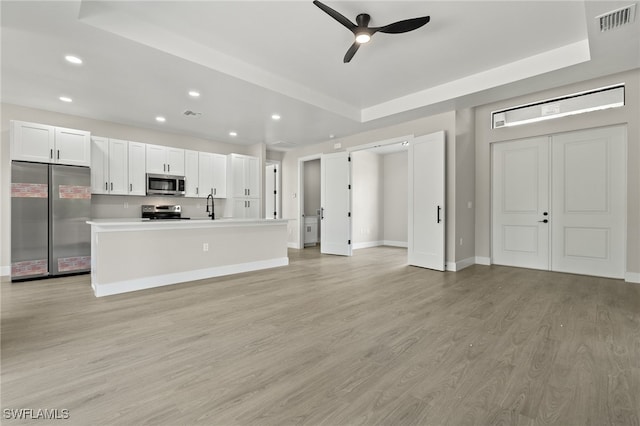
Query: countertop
[121,224]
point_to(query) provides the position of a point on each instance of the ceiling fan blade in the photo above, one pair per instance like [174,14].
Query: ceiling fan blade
[336,15]
[352,51]
[404,26]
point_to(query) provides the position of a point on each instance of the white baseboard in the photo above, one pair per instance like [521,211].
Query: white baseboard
[5,271]
[392,243]
[180,277]
[293,246]
[483,260]
[366,244]
[460,265]
[632,277]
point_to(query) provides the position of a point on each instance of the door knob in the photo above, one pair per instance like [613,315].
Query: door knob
[543,221]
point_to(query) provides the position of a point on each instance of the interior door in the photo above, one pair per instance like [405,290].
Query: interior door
[589,202]
[559,202]
[520,235]
[335,199]
[427,201]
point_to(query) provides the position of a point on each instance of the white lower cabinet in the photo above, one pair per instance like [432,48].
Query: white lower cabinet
[244,208]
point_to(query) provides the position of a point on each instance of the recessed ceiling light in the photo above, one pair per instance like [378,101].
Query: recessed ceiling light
[194,93]
[276,116]
[233,134]
[65,99]
[73,59]
[160,119]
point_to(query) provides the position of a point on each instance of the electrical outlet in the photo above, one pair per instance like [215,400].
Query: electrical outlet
[205,247]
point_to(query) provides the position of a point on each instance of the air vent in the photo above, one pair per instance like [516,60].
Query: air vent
[282,145]
[190,113]
[616,18]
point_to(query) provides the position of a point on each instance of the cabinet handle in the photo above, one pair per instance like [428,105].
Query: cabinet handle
[214,191]
[51,153]
[106,186]
[197,190]
[58,154]
[112,186]
[164,167]
[168,167]
[130,187]
[438,215]
[248,191]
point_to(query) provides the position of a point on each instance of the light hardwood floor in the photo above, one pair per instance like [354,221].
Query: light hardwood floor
[329,341]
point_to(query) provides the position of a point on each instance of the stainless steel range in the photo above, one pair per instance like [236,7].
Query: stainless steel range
[162,212]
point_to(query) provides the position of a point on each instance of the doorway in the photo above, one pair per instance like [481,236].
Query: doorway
[559,202]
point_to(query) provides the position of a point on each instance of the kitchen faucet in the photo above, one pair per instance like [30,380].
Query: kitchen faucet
[212,214]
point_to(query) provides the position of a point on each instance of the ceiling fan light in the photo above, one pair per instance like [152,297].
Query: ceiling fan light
[363,38]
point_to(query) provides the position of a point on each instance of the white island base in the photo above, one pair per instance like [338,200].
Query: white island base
[130,255]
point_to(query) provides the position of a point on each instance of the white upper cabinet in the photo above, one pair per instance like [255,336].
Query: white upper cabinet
[118,167]
[137,168]
[73,147]
[212,174]
[244,175]
[165,160]
[48,144]
[99,165]
[109,166]
[191,173]
[219,176]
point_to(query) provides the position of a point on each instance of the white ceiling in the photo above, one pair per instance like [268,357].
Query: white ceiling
[250,59]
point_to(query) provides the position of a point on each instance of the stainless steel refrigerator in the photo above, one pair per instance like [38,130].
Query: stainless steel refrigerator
[50,205]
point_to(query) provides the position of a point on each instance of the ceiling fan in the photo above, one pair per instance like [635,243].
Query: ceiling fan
[363,32]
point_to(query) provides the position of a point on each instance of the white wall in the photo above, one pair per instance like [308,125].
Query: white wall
[396,187]
[104,205]
[367,208]
[629,114]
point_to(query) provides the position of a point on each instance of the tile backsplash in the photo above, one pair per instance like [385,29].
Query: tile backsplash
[127,206]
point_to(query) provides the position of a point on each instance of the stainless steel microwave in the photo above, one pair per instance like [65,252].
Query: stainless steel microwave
[165,185]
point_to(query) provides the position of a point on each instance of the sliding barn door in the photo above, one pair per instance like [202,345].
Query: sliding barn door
[335,201]
[426,201]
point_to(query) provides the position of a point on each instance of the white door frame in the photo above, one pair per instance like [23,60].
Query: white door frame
[300,195]
[302,160]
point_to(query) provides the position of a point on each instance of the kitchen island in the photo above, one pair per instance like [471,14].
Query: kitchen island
[136,254]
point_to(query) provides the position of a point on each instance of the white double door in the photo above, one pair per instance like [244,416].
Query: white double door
[559,202]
